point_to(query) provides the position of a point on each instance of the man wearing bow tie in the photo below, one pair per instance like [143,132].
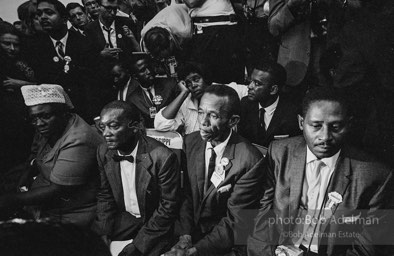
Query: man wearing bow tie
[139,184]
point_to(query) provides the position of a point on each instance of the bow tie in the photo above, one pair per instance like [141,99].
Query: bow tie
[118,158]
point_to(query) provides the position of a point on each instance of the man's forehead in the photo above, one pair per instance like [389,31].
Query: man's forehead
[325,108]
[46,5]
[76,10]
[110,115]
[213,101]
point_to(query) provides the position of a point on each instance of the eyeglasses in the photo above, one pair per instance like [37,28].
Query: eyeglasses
[43,117]
[110,8]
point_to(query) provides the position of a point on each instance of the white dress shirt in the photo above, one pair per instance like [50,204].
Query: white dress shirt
[219,150]
[213,8]
[122,93]
[308,198]
[112,34]
[127,171]
[269,113]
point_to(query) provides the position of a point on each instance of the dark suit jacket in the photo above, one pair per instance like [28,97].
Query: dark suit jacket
[283,122]
[165,87]
[94,33]
[49,68]
[365,185]
[217,220]
[157,182]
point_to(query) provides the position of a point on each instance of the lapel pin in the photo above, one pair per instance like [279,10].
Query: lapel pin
[334,198]
[56,59]
[119,36]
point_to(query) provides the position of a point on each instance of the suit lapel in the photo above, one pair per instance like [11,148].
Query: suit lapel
[100,36]
[276,119]
[119,36]
[339,182]
[143,173]
[296,180]
[229,154]
[112,169]
[199,163]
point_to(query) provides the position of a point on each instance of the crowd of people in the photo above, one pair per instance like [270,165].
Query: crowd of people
[285,108]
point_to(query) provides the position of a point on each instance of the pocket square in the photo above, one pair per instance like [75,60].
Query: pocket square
[224,188]
[282,136]
[351,219]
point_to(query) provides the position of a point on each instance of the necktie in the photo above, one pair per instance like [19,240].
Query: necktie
[110,45]
[261,117]
[60,50]
[314,185]
[118,158]
[211,169]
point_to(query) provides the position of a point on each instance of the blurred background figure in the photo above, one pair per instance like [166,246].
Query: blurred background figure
[15,133]
[92,8]
[77,17]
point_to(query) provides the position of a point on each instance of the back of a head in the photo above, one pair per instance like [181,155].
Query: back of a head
[324,94]
[157,39]
[277,72]
[7,28]
[233,101]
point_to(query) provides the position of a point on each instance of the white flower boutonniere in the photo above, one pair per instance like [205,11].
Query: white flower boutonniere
[334,198]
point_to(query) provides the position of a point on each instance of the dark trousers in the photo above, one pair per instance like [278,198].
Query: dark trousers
[219,49]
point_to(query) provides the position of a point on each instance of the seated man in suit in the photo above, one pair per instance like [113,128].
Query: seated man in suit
[149,93]
[121,75]
[265,115]
[63,57]
[322,196]
[139,184]
[223,181]
[77,17]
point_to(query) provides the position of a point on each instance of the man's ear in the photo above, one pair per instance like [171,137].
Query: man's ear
[274,89]
[300,122]
[135,126]
[234,119]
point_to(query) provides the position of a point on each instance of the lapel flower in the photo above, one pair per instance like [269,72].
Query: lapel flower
[224,161]
[334,198]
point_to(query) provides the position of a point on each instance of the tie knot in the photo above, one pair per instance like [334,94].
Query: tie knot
[59,44]
[118,158]
[107,29]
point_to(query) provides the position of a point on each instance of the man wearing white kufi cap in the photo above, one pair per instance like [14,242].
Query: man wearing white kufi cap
[63,159]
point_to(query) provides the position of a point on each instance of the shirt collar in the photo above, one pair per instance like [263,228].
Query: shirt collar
[133,153]
[219,149]
[112,25]
[63,40]
[192,103]
[329,161]
[271,108]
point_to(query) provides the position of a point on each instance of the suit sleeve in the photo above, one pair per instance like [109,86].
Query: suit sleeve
[157,228]
[106,205]
[280,18]
[378,232]
[262,241]
[243,199]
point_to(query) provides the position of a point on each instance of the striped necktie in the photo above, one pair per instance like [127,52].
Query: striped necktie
[60,50]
